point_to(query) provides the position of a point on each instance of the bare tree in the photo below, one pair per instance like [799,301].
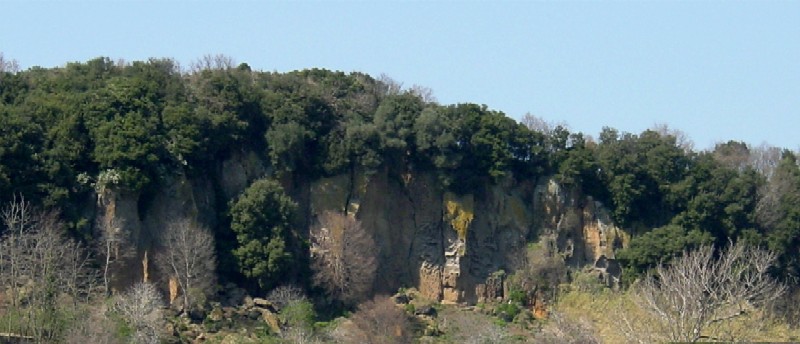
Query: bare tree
[536,123]
[187,253]
[299,335]
[470,327]
[389,86]
[18,219]
[95,327]
[141,307]
[78,278]
[560,329]
[424,93]
[693,297]
[343,257]
[539,124]
[378,321]
[113,245]
[211,62]
[540,269]
[770,195]
[682,140]
[765,159]
[284,295]
[39,268]
[8,66]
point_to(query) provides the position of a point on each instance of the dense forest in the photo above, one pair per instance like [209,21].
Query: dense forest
[70,133]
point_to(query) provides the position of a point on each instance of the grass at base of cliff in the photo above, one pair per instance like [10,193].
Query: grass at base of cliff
[605,309]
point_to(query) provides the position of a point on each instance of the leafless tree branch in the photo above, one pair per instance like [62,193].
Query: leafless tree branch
[187,253]
[343,257]
[141,308]
[698,291]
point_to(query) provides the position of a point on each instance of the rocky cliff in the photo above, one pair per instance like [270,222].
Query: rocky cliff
[445,245]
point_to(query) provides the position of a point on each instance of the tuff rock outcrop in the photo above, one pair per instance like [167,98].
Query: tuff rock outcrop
[445,245]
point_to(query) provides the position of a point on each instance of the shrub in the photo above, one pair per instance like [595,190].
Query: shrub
[508,311]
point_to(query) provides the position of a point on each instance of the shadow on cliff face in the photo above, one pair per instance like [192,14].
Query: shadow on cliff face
[448,246]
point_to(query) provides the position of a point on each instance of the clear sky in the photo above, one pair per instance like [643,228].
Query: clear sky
[717,70]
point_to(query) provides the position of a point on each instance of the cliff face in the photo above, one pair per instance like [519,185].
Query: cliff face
[448,246]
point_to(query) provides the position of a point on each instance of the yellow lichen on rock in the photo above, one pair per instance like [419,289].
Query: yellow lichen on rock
[174,288]
[460,212]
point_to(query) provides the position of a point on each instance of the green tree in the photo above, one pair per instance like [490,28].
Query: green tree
[394,121]
[20,155]
[261,220]
[228,106]
[660,246]
[719,200]
[639,172]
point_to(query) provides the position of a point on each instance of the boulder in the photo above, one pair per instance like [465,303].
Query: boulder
[263,303]
[425,311]
[401,299]
[272,320]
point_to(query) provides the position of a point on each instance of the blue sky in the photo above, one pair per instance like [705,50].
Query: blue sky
[717,70]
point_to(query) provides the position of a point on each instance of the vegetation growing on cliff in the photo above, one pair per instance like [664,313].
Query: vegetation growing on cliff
[71,132]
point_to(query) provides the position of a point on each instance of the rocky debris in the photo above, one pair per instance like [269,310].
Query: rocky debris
[253,314]
[248,302]
[401,299]
[427,310]
[272,320]
[263,303]
[218,319]
[216,314]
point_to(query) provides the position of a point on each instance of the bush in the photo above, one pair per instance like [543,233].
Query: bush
[587,281]
[379,321]
[517,296]
[507,311]
[298,314]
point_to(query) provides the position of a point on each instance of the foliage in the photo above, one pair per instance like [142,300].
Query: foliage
[639,173]
[261,219]
[298,314]
[507,310]
[539,273]
[71,132]
[660,246]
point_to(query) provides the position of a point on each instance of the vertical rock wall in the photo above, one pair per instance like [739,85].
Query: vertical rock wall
[449,245]
[446,245]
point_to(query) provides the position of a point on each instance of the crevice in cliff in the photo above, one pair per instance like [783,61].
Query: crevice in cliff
[350,191]
[442,243]
[407,193]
